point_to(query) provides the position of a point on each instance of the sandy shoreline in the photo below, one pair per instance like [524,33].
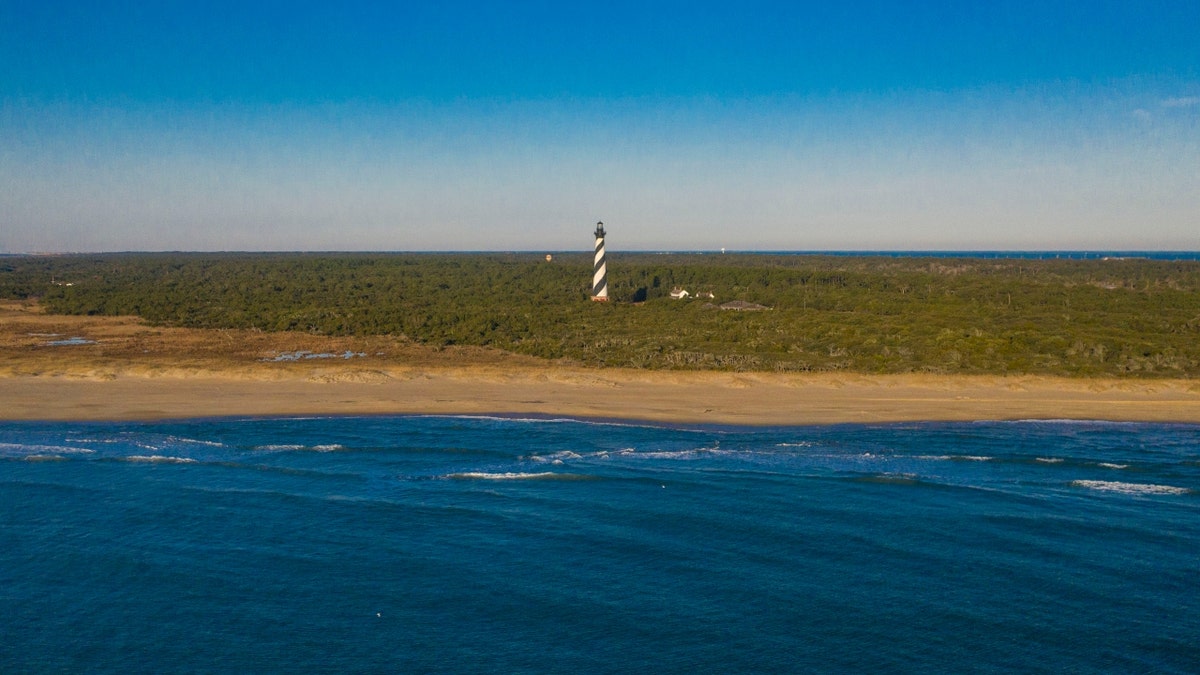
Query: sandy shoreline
[745,399]
[124,370]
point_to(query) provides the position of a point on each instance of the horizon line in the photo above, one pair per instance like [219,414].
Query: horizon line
[650,251]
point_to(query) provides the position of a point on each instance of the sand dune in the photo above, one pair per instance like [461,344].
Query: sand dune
[128,370]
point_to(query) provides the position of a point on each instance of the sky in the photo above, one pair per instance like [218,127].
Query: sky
[500,126]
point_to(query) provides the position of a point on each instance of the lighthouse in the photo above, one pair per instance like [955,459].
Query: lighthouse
[599,269]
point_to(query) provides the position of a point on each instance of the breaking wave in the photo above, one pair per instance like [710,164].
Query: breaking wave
[195,441]
[1130,488]
[21,449]
[288,447]
[515,475]
[160,459]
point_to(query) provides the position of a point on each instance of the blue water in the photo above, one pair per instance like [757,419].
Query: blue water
[448,544]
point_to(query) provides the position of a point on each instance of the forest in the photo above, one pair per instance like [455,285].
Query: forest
[868,314]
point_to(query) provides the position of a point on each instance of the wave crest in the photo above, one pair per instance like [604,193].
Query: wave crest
[20,449]
[1130,488]
[160,459]
[514,475]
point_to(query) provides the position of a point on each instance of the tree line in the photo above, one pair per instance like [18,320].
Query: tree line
[826,313]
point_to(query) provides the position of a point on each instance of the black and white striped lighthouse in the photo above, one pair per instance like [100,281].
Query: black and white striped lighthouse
[600,269]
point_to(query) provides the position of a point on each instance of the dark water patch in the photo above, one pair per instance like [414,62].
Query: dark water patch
[308,356]
[69,342]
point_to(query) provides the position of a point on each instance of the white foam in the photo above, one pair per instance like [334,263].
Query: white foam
[693,453]
[957,458]
[45,458]
[573,420]
[801,444]
[21,449]
[280,447]
[332,447]
[1061,422]
[196,441]
[511,475]
[556,457]
[1110,465]
[1130,488]
[1050,460]
[498,418]
[160,459]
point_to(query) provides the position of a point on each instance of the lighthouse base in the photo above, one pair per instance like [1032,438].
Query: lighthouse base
[599,298]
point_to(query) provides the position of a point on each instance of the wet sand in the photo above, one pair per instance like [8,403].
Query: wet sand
[123,369]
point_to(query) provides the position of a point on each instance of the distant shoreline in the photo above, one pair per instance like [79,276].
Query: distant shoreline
[987,254]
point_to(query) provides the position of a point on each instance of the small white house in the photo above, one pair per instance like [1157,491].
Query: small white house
[679,294]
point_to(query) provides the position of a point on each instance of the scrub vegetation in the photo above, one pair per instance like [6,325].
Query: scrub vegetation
[824,313]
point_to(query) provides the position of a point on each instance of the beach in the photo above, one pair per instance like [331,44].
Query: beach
[119,368]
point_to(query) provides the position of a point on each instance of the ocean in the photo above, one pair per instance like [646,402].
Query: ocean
[481,544]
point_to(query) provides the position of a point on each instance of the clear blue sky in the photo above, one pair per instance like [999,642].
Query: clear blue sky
[682,125]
